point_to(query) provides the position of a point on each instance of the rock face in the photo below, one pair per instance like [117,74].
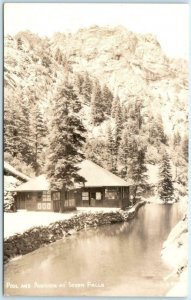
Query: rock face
[116,56]
[32,239]
[121,59]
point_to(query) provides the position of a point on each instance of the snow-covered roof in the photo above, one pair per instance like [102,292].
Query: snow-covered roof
[39,183]
[12,171]
[94,175]
[98,176]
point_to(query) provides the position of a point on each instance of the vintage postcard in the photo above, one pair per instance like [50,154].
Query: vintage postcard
[95,149]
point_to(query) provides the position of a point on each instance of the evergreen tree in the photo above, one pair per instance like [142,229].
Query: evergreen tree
[14,123]
[25,146]
[114,106]
[124,114]
[66,139]
[127,152]
[79,81]
[124,153]
[87,87]
[96,150]
[118,126]
[112,158]
[97,112]
[156,132]
[138,170]
[19,44]
[138,106]
[9,125]
[107,98]
[176,139]
[58,56]
[37,135]
[160,129]
[165,189]
[185,148]
[133,118]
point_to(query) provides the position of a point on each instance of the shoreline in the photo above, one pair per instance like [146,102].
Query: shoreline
[39,236]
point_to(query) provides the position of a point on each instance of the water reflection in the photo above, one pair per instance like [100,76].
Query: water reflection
[124,257]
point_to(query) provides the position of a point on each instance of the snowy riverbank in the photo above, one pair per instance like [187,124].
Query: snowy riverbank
[46,228]
[175,255]
[24,220]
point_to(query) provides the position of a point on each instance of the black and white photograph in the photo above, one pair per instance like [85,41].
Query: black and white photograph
[95,149]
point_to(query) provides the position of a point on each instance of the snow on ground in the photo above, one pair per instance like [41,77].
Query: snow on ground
[175,254]
[23,220]
[181,288]
[183,201]
[154,199]
[175,248]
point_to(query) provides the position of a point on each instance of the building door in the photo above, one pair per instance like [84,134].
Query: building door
[20,200]
[92,199]
[56,200]
[56,206]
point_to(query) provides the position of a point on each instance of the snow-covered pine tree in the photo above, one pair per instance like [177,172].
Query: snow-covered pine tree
[38,138]
[127,150]
[165,187]
[160,129]
[176,138]
[124,153]
[79,81]
[185,147]
[107,98]
[124,114]
[138,113]
[25,148]
[138,170]
[13,125]
[9,120]
[58,56]
[133,118]
[114,105]
[19,44]
[87,87]
[156,132]
[66,138]
[97,111]
[118,127]
[112,158]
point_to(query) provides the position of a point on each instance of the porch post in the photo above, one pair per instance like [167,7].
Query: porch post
[62,199]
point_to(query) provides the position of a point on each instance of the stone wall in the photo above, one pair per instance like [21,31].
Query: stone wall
[34,238]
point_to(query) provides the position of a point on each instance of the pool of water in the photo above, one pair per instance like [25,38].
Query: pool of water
[114,260]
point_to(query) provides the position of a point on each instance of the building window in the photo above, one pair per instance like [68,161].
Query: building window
[98,196]
[48,206]
[110,194]
[44,206]
[39,206]
[85,196]
[46,196]
[55,196]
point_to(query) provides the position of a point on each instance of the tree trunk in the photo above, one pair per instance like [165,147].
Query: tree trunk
[135,194]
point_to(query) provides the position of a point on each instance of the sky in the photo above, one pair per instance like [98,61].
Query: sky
[169,22]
